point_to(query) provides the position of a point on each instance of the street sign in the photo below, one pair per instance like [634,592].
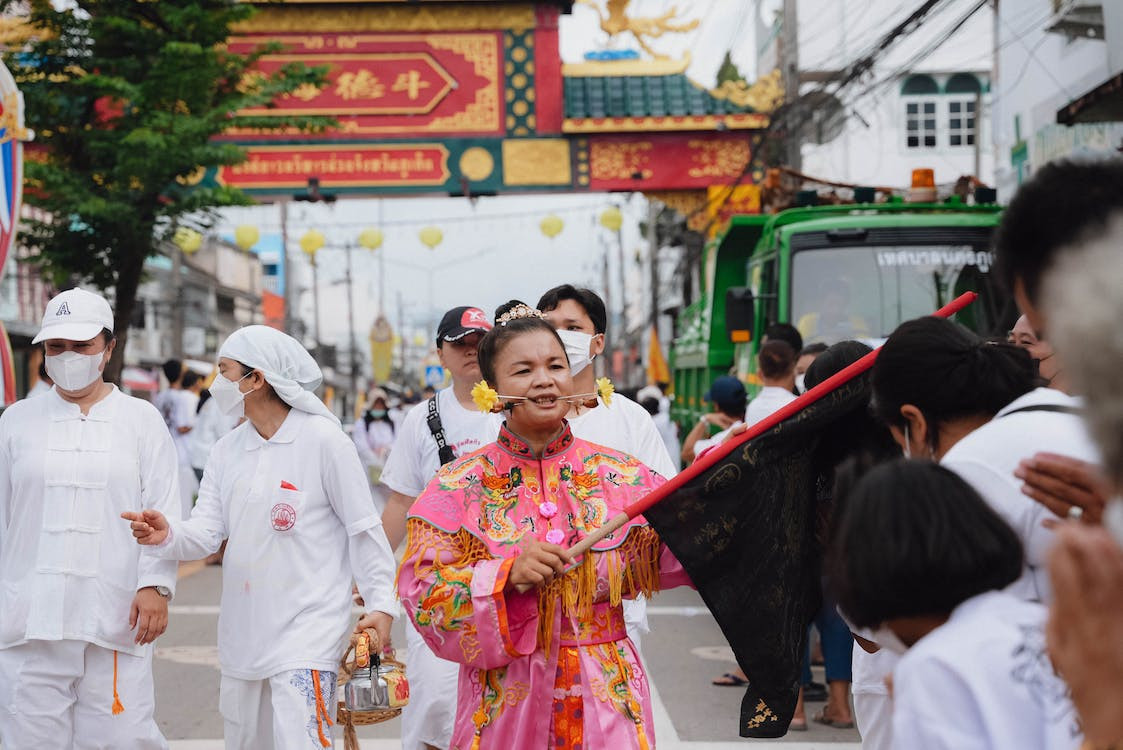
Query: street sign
[434,375]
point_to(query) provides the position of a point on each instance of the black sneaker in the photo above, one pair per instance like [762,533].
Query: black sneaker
[814,692]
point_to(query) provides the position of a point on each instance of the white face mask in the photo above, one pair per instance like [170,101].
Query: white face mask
[227,396]
[799,386]
[885,637]
[577,346]
[908,442]
[72,371]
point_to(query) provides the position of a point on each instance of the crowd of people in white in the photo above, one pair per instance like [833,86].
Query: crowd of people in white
[980,573]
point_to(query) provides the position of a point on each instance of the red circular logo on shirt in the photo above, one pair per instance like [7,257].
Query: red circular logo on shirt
[283,516]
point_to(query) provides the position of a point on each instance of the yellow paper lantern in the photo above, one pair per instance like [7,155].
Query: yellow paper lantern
[312,241]
[187,240]
[551,226]
[431,237]
[371,239]
[246,236]
[611,219]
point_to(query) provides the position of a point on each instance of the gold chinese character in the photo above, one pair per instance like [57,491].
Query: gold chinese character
[411,83]
[360,85]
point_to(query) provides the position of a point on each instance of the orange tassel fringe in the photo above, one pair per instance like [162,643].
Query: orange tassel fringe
[118,707]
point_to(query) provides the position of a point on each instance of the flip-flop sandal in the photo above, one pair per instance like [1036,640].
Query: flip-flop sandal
[821,718]
[730,680]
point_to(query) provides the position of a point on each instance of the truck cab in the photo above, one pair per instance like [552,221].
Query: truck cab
[834,272]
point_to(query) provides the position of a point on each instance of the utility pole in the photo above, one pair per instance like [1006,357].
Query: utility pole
[653,210]
[177,303]
[621,331]
[352,360]
[789,66]
[607,280]
[286,278]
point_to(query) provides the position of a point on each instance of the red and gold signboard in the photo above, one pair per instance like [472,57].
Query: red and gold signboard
[666,161]
[414,165]
[390,84]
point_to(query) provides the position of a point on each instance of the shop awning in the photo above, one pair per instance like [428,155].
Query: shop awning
[1104,103]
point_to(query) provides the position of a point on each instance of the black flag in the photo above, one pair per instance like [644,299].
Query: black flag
[748,533]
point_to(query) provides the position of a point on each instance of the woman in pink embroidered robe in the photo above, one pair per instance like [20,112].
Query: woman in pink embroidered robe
[550,667]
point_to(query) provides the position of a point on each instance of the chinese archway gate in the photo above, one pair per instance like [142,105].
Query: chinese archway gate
[471,98]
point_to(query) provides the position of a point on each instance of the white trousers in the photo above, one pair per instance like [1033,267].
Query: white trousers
[873,713]
[278,713]
[59,694]
[429,716]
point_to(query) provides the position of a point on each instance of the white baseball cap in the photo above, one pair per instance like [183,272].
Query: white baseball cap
[75,315]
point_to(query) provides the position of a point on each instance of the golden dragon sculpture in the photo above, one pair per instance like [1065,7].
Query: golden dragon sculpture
[617,21]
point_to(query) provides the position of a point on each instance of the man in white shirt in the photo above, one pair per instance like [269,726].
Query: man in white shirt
[185,404]
[581,321]
[413,461]
[288,490]
[79,604]
[165,400]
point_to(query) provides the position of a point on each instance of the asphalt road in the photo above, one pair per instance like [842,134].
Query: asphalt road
[684,651]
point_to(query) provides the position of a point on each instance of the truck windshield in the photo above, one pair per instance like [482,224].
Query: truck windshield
[865,292]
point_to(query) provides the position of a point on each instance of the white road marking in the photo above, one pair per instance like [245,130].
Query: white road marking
[656,610]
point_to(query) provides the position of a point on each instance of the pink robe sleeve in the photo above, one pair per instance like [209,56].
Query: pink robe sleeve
[459,603]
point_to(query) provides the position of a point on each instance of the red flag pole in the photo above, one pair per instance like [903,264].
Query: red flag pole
[718,452]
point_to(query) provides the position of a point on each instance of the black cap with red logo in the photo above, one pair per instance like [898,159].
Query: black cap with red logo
[460,321]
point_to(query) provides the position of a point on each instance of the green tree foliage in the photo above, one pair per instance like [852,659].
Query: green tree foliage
[127,99]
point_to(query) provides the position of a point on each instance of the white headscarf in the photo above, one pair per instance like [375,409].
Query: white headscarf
[286,365]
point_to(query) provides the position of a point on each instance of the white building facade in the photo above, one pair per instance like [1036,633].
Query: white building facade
[1052,53]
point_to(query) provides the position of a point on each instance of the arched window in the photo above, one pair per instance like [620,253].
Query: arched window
[919,93]
[919,85]
[963,83]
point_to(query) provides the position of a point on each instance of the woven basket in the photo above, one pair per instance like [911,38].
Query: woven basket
[350,719]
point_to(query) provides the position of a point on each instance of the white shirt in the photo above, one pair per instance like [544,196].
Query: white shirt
[624,426]
[415,457]
[288,567]
[668,432]
[164,401]
[987,457]
[768,401]
[210,425]
[69,566]
[373,441]
[40,387]
[983,681]
[184,405]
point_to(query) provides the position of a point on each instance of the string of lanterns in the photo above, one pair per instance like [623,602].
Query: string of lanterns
[246,236]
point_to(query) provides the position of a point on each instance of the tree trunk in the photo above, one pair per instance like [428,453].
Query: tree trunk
[128,282]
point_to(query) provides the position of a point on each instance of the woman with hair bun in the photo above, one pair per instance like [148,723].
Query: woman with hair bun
[545,660]
[978,409]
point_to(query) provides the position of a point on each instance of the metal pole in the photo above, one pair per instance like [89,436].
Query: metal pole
[653,211]
[978,134]
[351,358]
[608,348]
[789,60]
[316,304]
[622,328]
[381,266]
[287,279]
[177,303]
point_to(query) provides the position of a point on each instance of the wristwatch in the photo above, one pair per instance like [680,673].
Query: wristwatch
[163,591]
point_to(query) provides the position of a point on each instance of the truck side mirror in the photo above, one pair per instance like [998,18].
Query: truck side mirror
[739,314]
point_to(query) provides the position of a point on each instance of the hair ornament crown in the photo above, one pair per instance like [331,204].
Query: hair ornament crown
[517,312]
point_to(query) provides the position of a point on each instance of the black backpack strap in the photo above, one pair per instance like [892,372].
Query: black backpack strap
[1048,407]
[438,430]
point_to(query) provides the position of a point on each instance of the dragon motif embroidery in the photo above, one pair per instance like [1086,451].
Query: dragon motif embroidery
[448,602]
